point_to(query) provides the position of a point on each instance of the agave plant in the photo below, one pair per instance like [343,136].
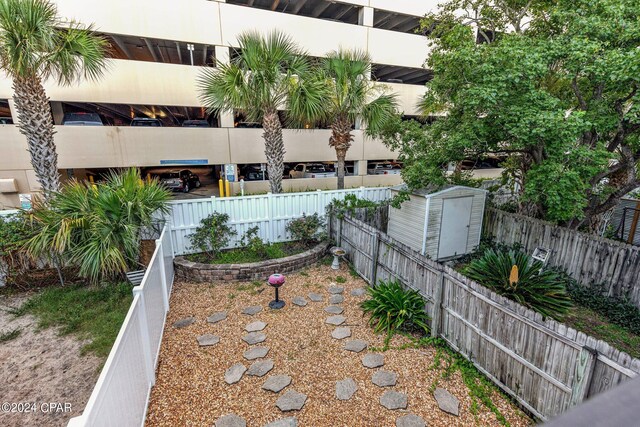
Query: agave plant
[97,227]
[518,277]
[393,308]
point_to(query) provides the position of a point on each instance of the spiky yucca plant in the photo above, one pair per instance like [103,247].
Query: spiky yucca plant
[542,291]
[393,308]
[97,227]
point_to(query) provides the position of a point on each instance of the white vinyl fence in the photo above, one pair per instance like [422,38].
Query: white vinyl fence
[270,212]
[121,395]
[9,212]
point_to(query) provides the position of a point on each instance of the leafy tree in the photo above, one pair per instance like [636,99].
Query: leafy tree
[556,88]
[36,45]
[351,96]
[269,73]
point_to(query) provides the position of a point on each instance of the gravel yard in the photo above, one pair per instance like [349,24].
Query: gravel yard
[196,387]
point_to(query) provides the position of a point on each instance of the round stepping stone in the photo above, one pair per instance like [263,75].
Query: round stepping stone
[373,360]
[284,422]
[299,301]
[254,309]
[335,320]
[255,326]
[384,378]
[207,340]
[358,292]
[336,299]
[341,333]
[217,316]
[183,323]
[447,401]
[291,401]
[355,345]
[276,383]
[334,309]
[234,373]
[335,289]
[260,368]
[254,338]
[256,352]
[231,420]
[315,297]
[393,400]
[346,388]
[410,420]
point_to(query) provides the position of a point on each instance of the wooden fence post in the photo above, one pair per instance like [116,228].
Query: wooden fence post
[437,306]
[583,375]
[339,236]
[374,259]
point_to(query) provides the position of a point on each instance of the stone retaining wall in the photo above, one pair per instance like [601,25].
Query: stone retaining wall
[198,272]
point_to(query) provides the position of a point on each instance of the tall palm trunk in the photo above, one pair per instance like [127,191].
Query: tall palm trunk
[340,140]
[273,149]
[36,123]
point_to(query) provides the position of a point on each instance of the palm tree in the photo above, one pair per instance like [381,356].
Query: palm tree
[352,97]
[269,73]
[36,45]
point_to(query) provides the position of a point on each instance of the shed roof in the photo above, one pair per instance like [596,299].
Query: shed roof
[429,192]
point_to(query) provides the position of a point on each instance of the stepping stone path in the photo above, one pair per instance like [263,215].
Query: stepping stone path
[234,373]
[284,422]
[261,368]
[255,326]
[254,309]
[410,420]
[393,400]
[334,309]
[341,333]
[256,352]
[231,420]
[208,339]
[254,338]
[355,345]
[346,388]
[276,383]
[335,290]
[299,301]
[336,299]
[358,292]
[372,360]
[315,297]
[447,401]
[217,316]
[335,320]
[183,323]
[291,401]
[384,378]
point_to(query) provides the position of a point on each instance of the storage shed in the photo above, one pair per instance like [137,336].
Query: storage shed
[441,224]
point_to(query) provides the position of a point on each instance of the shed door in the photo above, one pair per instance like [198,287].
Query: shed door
[454,226]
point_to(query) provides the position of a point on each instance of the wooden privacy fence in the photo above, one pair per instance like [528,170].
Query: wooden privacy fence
[588,259]
[545,365]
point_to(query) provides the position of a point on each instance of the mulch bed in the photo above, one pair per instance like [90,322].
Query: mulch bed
[190,387]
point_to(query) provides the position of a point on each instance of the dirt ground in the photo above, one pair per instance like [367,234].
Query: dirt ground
[42,373]
[190,389]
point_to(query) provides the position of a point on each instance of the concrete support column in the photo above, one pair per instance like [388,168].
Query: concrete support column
[362,167]
[365,16]
[58,113]
[14,112]
[222,54]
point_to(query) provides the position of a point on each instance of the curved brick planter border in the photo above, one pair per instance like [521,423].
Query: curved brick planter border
[198,272]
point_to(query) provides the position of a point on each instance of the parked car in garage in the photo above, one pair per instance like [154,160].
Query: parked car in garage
[254,173]
[384,168]
[146,122]
[6,121]
[195,124]
[311,170]
[81,119]
[180,180]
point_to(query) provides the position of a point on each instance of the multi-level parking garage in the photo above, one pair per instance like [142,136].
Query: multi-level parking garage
[158,49]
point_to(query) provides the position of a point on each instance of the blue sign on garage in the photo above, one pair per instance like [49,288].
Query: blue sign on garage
[185,162]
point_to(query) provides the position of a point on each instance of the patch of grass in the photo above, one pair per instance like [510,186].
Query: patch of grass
[231,295]
[327,260]
[353,272]
[254,288]
[304,274]
[94,313]
[243,256]
[341,279]
[596,325]
[10,335]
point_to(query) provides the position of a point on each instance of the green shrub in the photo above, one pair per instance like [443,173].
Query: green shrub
[308,229]
[252,243]
[393,308]
[212,235]
[543,291]
[350,203]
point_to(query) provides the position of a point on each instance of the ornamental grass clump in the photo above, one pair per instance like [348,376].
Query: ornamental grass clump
[515,275]
[393,308]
